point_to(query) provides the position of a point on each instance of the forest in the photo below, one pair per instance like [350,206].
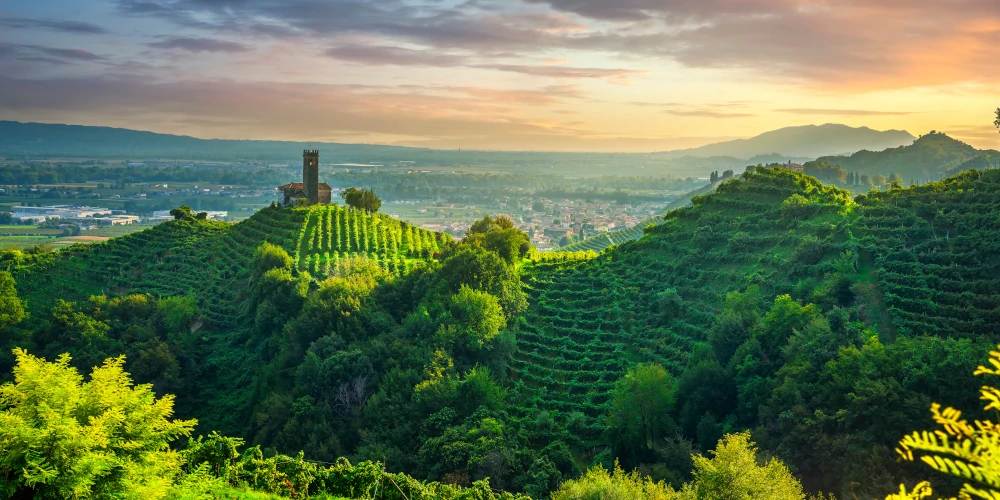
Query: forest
[776,338]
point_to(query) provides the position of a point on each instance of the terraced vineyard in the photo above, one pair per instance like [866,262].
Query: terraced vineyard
[918,253]
[936,251]
[211,260]
[588,323]
[332,233]
[602,241]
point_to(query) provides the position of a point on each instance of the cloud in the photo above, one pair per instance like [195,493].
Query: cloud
[288,110]
[841,112]
[397,56]
[856,44]
[53,55]
[200,45]
[707,113]
[376,55]
[615,74]
[75,27]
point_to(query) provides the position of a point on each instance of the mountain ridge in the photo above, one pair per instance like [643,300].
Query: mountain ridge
[802,141]
[36,139]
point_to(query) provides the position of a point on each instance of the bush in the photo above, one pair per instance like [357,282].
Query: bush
[64,438]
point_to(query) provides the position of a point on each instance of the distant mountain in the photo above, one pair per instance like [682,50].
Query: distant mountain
[43,139]
[807,141]
[930,157]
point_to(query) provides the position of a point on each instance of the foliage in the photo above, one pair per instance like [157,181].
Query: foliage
[640,406]
[361,199]
[965,450]
[733,472]
[599,484]
[11,306]
[62,437]
[183,212]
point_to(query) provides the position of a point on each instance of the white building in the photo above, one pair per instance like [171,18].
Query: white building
[58,212]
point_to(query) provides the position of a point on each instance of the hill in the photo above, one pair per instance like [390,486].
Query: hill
[602,241]
[808,141]
[900,286]
[930,157]
[59,140]
[825,324]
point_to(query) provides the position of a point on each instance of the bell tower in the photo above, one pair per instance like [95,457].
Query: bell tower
[310,175]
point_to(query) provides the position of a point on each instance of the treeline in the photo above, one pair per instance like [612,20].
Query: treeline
[118,176]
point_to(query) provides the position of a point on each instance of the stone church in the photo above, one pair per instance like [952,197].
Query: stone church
[310,191]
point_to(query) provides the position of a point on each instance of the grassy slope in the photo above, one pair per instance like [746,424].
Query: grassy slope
[586,323]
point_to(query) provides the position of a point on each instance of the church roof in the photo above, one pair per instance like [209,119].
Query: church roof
[298,185]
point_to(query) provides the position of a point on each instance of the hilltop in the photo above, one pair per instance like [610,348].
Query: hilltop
[750,297]
[824,323]
[930,157]
[803,141]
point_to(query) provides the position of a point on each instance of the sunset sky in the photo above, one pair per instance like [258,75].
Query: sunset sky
[580,75]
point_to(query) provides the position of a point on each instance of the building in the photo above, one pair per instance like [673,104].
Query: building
[310,191]
[795,166]
[116,220]
[57,212]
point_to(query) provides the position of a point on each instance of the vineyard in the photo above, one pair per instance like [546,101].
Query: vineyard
[936,252]
[602,241]
[652,299]
[332,233]
[211,260]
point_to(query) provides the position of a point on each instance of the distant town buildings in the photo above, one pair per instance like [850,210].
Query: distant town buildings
[67,213]
[63,212]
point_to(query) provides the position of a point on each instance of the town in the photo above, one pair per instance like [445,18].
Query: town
[62,202]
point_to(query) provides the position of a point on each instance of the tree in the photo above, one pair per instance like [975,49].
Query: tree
[597,483]
[960,449]
[183,212]
[733,473]
[361,199]
[479,315]
[65,438]
[640,406]
[879,180]
[996,123]
[270,256]
[11,306]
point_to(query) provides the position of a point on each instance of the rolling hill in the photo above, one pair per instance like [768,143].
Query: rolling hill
[907,269]
[825,324]
[930,157]
[804,141]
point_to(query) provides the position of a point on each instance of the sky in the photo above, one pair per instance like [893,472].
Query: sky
[554,75]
